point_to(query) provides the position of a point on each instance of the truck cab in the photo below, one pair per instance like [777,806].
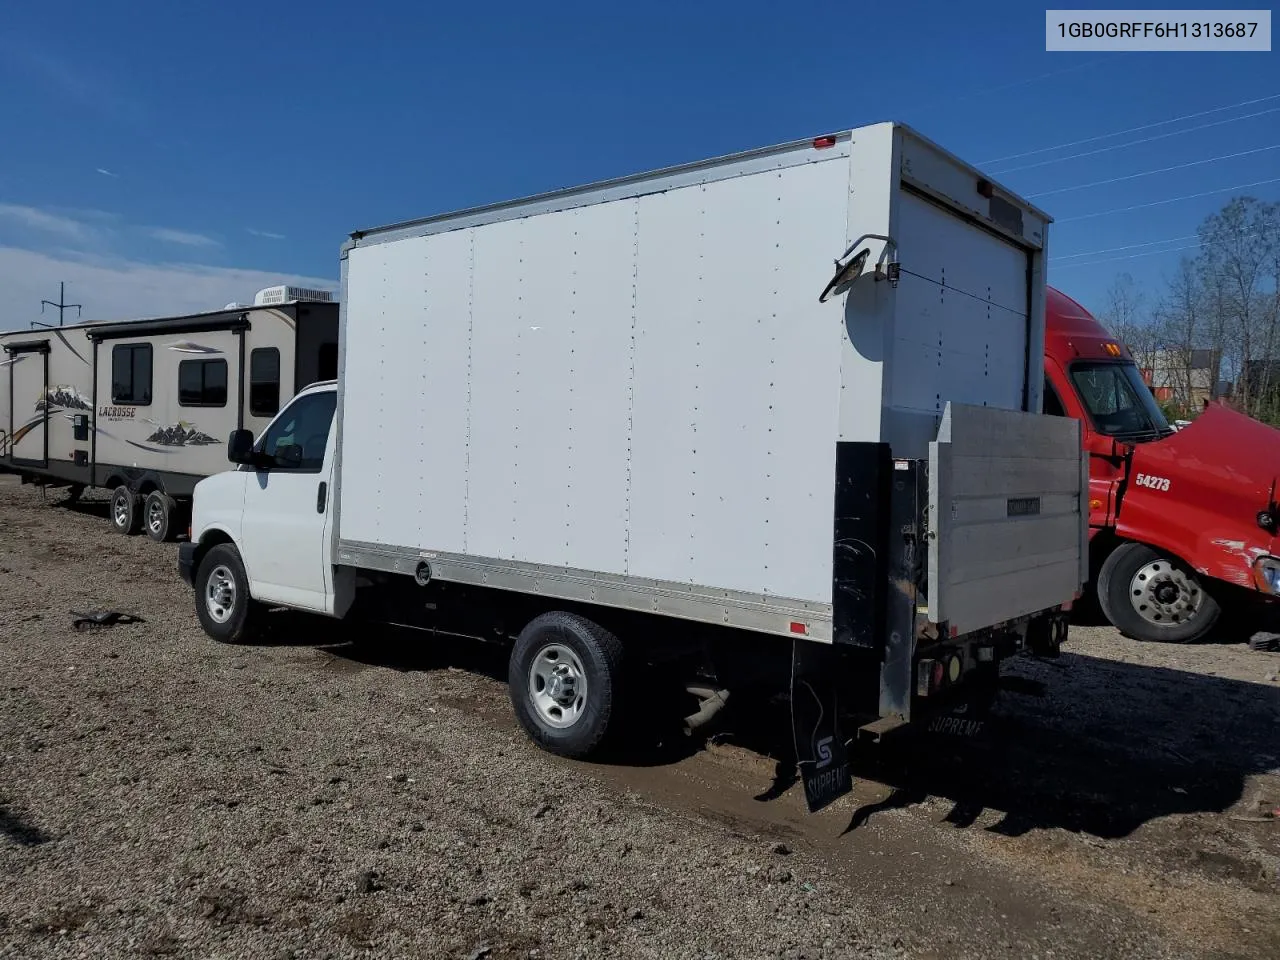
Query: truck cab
[1181,521]
[268,522]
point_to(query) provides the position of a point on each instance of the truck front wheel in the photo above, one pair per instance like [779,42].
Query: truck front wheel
[1148,595]
[223,604]
[564,677]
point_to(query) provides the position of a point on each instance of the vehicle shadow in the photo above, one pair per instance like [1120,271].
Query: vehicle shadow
[87,508]
[1096,746]
[1079,743]
[1236,624]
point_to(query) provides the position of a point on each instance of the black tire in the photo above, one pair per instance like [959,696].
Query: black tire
[222,564]
[599,658]
[158,516]
[125,515]
[1183,612]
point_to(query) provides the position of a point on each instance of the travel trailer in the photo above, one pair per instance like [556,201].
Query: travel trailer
[144,407]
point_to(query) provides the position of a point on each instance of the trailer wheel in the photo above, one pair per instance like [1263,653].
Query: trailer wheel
[564,677]
[158,513]
[126,517]
[1149,595]
[226,610]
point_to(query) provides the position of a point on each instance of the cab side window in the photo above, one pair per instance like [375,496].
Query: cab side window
[1052,405]
[305,423]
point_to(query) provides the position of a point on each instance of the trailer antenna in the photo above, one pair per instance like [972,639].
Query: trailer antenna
[62,306]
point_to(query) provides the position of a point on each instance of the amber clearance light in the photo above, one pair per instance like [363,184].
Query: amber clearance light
[1112,348]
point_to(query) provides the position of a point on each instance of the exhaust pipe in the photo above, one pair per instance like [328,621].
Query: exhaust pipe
[713,701]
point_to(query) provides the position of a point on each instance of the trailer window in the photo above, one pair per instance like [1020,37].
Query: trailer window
[202,383]
[264,382]
[131,374]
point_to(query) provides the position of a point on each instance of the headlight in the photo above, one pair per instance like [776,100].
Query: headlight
[1266,574]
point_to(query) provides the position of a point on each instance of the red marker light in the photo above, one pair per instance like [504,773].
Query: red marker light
[800,628]
[821,143]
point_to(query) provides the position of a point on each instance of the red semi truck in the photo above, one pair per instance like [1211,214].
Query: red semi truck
[1182,523]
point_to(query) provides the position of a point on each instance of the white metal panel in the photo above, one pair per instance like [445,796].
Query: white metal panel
[495,416]
[736,383]
[1005,516]
[872,196]
[601,279]
[960,330]
[406,389]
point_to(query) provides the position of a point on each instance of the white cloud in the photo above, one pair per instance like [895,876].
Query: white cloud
[182,237]
[107,173]
[265,233]
[33,218]
[113,288]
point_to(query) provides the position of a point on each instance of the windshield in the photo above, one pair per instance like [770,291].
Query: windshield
[1119,403]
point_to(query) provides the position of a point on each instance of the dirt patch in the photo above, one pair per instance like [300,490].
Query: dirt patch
[313,795]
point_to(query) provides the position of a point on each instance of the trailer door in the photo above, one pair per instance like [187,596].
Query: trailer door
[28,435]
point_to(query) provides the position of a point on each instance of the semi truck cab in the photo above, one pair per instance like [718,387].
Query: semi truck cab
[1181,522]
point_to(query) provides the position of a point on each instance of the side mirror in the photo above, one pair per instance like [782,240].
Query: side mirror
[289,455]
[240,446]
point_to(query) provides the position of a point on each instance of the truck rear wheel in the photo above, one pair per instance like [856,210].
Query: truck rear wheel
[1149,595]
[125,515]
[226,611]
[158,516]
[564,677]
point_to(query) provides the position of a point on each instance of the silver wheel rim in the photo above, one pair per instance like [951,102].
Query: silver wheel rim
[1163,595]
[220,594]
[155,517]
[558,686]
[122,512]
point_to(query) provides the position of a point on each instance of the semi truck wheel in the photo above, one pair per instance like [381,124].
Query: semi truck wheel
[125,517]
[1148,595]
[158,516]
[564,677]
[226,611]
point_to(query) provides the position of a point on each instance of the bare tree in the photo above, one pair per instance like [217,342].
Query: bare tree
[1126,318]
[1235,253]
[1179,328]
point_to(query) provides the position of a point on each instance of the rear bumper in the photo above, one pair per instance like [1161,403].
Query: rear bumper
[187,563]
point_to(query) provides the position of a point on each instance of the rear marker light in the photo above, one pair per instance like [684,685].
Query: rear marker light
[800,628]
[821,143]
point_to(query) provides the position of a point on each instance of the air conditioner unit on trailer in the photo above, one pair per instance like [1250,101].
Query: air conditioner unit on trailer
[274,296]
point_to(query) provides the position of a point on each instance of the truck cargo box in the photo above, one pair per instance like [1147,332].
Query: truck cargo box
[648,393]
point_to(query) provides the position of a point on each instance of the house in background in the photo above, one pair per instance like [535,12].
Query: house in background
[1186,378]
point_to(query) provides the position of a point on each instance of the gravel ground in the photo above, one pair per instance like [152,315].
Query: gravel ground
[161,795]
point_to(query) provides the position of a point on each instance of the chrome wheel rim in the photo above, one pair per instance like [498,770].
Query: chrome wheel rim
[220,594]
[121,512]
[1163,595]
[558,686]
[155,517]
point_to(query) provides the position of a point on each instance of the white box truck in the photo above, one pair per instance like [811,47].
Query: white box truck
[645,430]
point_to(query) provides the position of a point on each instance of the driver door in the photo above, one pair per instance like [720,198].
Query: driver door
[286,506]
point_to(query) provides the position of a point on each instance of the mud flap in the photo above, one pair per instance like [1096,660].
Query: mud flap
[821,754]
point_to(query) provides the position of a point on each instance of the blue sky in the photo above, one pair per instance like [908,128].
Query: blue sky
[163,157]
